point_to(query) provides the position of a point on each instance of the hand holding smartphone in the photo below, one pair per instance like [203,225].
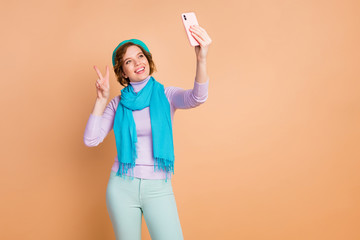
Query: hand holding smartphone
[189,19]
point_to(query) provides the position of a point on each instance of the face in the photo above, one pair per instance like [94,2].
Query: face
[136,66]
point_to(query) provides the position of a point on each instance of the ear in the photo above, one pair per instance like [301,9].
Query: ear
[124,75]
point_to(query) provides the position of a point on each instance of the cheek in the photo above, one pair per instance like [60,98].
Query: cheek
[148,65]
[127,69]
[145,60]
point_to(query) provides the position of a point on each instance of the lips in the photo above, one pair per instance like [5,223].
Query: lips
[139,69]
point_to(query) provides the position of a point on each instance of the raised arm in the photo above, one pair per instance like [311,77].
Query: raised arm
[201,51]
[100,121]
[98,126]
[182,99]
[190,98]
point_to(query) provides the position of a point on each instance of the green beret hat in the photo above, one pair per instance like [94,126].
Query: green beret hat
[135,41]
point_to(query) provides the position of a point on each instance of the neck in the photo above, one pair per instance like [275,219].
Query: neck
[137,86]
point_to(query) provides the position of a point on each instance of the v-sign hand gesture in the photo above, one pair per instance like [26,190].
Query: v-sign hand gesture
[102,84]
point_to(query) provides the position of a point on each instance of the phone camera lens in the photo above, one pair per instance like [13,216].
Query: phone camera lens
[185,17]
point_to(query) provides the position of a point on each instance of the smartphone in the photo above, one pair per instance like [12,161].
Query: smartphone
[188,20]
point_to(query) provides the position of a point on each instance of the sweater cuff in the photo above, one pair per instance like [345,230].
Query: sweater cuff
[201,89]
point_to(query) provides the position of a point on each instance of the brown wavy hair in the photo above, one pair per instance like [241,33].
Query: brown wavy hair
[119,61]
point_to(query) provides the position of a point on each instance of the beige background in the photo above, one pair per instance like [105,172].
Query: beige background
[273,153]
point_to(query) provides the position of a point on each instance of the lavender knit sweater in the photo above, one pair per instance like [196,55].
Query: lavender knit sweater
[98,127]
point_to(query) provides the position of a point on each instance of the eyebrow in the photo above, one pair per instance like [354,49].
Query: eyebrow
[136,55]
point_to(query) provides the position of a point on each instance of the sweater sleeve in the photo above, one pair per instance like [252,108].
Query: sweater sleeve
[190,98]
[98,127]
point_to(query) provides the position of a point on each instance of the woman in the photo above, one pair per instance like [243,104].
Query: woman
[141,117]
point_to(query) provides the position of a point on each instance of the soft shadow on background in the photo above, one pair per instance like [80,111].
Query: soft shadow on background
[274,152]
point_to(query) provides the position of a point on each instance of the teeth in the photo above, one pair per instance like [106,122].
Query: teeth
[140,69]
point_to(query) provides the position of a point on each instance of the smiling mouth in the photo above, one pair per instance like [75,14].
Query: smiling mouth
[140,70]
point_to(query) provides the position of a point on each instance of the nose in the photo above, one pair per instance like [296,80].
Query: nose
[137,62]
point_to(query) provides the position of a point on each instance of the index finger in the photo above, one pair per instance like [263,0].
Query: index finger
[98,72]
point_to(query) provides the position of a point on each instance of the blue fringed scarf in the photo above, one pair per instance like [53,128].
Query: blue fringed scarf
[152,96]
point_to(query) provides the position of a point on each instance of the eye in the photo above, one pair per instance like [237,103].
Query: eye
[141,55]
[127,61]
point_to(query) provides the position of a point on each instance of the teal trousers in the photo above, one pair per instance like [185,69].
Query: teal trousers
[127,199]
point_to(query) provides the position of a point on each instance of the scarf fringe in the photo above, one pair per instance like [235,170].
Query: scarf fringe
[124,168]
[161,163]
[164,165]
